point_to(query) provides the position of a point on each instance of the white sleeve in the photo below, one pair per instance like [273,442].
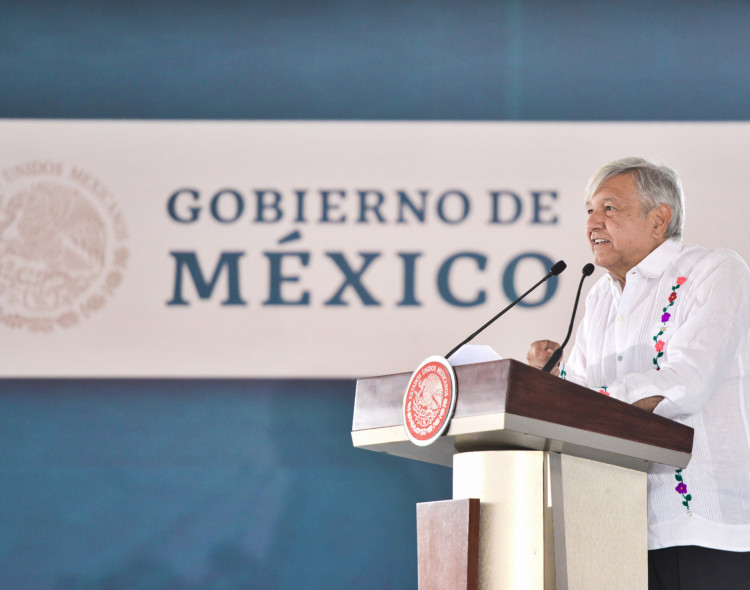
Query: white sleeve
[701,351]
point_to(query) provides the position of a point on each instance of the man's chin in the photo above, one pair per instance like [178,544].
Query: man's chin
[601,261]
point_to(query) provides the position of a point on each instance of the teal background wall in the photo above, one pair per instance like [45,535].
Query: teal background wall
[229,484]
[200,484]
[338,59]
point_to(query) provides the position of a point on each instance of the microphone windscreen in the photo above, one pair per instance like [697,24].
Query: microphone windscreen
[558,267]
[588,269]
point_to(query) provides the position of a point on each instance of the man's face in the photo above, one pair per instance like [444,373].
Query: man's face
[619,232]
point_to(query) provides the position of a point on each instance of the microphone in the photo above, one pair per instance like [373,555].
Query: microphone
[557,354]
[556,269]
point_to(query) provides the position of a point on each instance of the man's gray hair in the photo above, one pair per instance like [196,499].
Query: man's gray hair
[657,184]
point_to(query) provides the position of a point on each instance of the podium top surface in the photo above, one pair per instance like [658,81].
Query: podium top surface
[509,405]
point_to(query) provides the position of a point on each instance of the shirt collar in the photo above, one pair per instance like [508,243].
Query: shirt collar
[654,264]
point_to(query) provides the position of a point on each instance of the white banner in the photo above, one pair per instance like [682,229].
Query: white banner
[311,249]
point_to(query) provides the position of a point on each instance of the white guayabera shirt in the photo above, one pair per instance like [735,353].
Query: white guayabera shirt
[679,329]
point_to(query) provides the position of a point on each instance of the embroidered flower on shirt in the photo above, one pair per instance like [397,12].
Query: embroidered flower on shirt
[659,346]
[682,490]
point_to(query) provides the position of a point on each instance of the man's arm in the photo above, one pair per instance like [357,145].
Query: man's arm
[648,403]
[701,350]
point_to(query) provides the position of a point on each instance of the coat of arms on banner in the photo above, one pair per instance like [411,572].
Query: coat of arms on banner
[429,401]
[62,245]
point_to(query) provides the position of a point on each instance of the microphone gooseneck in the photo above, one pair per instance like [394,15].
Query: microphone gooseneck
[556,269]
[557,354]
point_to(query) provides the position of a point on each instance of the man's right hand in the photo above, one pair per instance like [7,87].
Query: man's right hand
[539,353]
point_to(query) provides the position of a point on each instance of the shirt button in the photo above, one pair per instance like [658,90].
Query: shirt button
[619,357]
[620,319]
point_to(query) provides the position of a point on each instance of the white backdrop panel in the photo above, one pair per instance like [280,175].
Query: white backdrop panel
[90,255]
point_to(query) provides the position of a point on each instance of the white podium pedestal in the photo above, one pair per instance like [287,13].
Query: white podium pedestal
[551,521]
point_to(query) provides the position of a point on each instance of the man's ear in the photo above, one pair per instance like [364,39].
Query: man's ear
[661,220]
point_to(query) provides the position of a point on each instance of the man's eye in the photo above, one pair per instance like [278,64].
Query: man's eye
[589,211]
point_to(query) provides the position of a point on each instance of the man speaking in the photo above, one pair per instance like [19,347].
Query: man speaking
[666,329]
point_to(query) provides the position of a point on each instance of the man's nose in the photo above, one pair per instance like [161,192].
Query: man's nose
[594,221]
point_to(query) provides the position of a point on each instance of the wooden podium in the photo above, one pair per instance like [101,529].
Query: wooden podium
[559,470]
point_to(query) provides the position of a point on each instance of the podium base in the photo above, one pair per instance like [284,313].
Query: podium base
[551,521]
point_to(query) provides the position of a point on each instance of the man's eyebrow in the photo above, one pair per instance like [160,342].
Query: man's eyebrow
[606,199]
